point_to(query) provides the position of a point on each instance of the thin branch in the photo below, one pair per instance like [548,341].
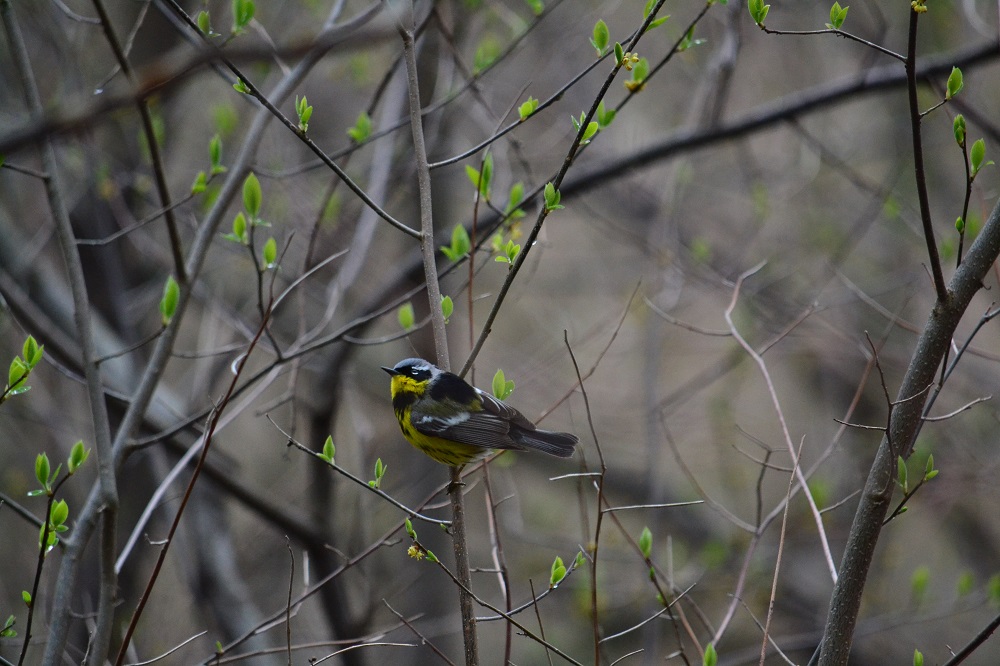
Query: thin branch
[772,392]
[168,652]
[777,559]
[291,441]
[918,160]
[952,414]
[106,492]
[839,33]
[416,632]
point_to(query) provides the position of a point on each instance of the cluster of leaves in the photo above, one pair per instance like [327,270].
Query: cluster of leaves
[244,224]
[304,112]
[21,367]
[202,179]
[380,469]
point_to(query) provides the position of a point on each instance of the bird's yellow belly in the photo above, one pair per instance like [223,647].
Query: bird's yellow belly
[444,451]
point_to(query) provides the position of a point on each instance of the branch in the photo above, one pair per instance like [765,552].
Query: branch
[906,420]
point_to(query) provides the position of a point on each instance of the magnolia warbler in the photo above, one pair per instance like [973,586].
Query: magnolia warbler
[456,423]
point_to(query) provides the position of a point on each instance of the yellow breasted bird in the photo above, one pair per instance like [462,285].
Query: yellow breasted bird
[455,423]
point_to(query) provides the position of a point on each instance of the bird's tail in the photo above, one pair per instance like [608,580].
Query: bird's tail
[561,444]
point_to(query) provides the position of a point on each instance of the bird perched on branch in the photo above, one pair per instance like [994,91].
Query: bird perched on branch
[455,423]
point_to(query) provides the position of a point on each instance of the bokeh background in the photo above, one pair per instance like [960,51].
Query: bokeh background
[791,153]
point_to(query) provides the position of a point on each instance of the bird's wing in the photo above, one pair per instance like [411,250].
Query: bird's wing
[489,427]
[504,411]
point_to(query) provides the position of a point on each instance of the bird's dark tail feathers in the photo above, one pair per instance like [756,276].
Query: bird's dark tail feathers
[561,444]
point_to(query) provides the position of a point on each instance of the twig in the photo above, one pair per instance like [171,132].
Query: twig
[781,418]
[416,632]
[168,652]
[777,559]
[106,492]
[974,644]
[918,160]
[291,441]
[213,423]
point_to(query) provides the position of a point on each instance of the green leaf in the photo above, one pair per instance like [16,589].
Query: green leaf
[579,560]
[646,542]
[304,112]
[362,128]
[252,196]
[243,11]
[447,307]
[965,585]
[215,154]
[410,532]
[552,197]
[514,199]
[976,156]
[960,225]
[758,11]
[901,473]
[502,387]
[993,589]
[241,87]
[536,6]
[486,53]
[42,470]
[168,304]
[955,83]
[486,177]
[204,22]
[200,183]
[473,175]
[15,376]
[929,466]
[26,598]
[59,513]
[31,352]
[958,126]
[604,116]
[589,133]
[711,657]
[919,582]
[619,55]
[460,243]
[600,37]
[405,316]
[511,250]
[240,228]
[837,16]
[527,108]
[431,557]
[918,658]
[77,456]
[329,450]
[657,22]
[270,252]
[557,572]
[8,628]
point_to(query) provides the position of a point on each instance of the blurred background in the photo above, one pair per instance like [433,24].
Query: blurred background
[787,153]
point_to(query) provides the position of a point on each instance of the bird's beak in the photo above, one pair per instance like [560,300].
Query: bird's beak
[390,371]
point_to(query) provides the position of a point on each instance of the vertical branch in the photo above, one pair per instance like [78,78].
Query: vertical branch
[459,541]
[907,417]
[918,159]
[107,492]
[154,148]
[426,209]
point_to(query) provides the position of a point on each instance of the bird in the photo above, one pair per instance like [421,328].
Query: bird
[455,423]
